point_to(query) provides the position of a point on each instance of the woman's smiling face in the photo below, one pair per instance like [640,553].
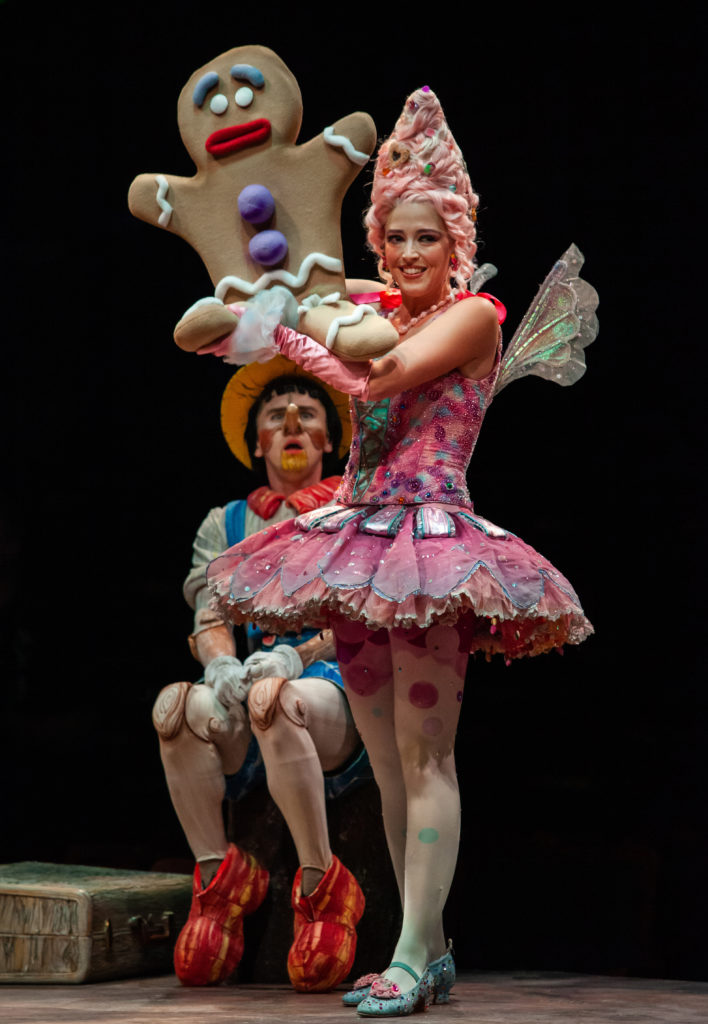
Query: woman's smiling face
[417,249]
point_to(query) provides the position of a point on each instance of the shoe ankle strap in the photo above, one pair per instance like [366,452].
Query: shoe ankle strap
[405,967]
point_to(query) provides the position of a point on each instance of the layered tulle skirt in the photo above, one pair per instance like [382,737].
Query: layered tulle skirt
[400,566]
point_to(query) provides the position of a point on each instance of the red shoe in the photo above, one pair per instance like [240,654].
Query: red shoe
[325,940]
[210,945]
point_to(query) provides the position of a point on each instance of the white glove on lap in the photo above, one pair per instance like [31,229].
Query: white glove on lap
[279,661]
[228,678]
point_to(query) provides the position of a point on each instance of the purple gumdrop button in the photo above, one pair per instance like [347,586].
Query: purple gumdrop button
[268,248]
[256,204]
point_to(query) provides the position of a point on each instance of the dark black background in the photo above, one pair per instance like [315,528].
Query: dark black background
[583,777]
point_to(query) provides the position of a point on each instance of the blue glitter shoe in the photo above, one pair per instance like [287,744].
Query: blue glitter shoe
[442,970]
[359,990]
[443,974]
[385,998]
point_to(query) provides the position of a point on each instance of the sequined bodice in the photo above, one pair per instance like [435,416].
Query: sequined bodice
[416,447]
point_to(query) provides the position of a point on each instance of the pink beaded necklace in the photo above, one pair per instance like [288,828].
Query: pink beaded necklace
[438,307]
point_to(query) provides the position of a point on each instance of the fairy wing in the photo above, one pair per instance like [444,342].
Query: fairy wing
[558,325]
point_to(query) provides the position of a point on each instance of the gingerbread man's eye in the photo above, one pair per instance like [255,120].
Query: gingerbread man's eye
[218,103]
[244,96]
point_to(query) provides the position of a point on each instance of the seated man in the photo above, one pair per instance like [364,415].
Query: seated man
[297,722]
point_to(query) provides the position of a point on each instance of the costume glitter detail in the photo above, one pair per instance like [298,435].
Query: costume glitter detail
[416,447]
[402,546]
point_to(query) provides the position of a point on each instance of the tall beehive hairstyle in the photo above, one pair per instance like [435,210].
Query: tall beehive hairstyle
[421,162]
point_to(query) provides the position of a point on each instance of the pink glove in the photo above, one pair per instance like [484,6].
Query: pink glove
[264,340]
[350,377]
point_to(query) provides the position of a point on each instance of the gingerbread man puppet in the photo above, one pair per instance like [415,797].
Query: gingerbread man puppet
[262,211]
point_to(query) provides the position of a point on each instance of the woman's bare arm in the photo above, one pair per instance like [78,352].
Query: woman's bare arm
[464,337]
[356,285]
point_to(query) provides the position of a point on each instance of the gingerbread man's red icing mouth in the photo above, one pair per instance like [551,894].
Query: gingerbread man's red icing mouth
[238,136]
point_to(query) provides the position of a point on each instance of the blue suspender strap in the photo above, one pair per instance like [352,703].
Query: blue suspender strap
[235,522]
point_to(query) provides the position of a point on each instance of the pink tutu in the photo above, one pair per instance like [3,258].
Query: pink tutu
[401,566]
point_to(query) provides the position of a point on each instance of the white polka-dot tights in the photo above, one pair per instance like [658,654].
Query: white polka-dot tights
[405,691]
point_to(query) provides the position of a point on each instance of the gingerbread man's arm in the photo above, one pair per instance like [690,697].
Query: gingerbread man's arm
[360,130]
[354,136]
[155,198]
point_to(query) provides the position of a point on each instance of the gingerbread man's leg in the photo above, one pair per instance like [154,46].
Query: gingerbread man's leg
[209,319]
[350,331]
[203,323]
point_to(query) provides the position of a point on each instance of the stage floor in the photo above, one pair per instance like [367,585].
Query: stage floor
[509,998]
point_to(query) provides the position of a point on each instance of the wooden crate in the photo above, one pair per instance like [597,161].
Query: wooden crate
[70,923]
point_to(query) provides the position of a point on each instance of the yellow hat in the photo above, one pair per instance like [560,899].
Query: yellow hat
[249,382]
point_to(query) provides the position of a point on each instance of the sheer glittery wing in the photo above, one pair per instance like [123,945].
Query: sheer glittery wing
[558,325]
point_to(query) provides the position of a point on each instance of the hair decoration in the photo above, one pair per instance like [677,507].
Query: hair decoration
[421,162]
[399,155]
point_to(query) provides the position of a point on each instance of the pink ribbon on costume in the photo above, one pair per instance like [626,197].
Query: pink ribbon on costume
[499,306]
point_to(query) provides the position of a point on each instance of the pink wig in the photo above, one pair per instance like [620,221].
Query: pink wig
[421,162]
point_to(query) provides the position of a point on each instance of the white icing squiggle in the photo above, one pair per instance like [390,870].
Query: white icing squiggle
[314,300]
[346,321]
[344,143]
[162,189]
[291,280]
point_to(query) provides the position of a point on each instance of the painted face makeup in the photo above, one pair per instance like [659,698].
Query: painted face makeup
[417,248]
[293,458]
[292,433]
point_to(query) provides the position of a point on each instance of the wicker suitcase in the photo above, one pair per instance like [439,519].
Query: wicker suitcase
[69,923]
